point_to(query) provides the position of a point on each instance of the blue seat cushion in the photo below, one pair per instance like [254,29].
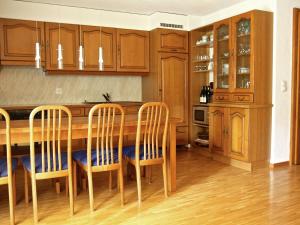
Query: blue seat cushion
[81,156]
[3,166]
[38,162]
[129,152]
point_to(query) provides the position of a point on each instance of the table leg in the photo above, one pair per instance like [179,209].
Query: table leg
[171,161]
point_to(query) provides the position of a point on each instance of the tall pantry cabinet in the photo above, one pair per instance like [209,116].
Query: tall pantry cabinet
[168,77]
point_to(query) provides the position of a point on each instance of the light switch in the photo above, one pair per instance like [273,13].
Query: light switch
[283,86]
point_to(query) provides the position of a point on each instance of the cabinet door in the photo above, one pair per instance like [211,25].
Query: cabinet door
[133,50]
[217,130]
[18,38]
[222,55]
[238,133]
[173,71]
[243,57]
[173,40]
[70,44]
[90,39]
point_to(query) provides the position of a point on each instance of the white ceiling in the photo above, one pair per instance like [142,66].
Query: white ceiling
[148,7]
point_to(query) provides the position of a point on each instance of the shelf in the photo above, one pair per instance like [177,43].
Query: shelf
[241,74]
[202,71]
[223,57]
[207,44]
[202,61]
[223,39]
[200,125]
[243,35]
[239,55]
[223,75]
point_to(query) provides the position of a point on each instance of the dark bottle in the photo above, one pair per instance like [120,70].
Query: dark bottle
[208,94]
[202,94]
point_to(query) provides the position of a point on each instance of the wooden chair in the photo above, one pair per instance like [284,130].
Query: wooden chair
[52,162]
[104,157]
[153,119]
[8,166]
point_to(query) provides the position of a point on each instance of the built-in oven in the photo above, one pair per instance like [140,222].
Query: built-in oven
[200,115]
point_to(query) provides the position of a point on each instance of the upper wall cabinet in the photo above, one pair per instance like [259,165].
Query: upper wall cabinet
[18,38]
[171,40]
[243,58]
[133,50]
[90,39]
[67,35]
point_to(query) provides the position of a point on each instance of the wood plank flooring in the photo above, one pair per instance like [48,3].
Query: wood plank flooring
[208,193]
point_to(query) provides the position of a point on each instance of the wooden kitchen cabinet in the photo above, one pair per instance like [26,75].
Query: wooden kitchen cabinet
[18,38]
[218,119]
[168,82]
[69,39]
[238,133]
[90,39]
[241,44]
[133,50]
[173,73]
[168,40]
[241,133]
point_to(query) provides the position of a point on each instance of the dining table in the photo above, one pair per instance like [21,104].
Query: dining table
[20,134]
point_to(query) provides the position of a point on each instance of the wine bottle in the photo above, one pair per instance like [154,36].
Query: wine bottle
[204,94]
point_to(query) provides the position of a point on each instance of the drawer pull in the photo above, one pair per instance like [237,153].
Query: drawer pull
[241,98]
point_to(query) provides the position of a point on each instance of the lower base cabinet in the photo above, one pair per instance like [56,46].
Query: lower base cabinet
[240,132]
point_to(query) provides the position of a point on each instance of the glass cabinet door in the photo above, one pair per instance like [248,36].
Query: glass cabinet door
[242,76]
[222,53]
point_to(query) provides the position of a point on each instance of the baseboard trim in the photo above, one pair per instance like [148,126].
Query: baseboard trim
[280,164]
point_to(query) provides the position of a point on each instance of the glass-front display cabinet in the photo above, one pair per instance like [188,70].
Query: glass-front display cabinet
[242,72]
[222,53]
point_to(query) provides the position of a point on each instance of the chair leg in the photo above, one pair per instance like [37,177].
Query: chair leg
[71,194]
[34,198]
[164,167]
[67,187]
[75,179]
[91,194]
[110,181]
[149,170]
[121,184]
[14,189]
[138,181]
[57,186]
[26,186]
[11,200]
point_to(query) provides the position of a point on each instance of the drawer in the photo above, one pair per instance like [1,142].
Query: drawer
[182,135]
[77,112]
[243,97]
[221,97]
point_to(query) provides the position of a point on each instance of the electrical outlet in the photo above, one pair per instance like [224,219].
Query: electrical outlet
[58,91]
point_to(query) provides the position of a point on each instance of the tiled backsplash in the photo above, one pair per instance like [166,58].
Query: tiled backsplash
[25,85]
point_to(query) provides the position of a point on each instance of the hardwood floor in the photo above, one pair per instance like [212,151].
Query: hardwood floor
[208,193]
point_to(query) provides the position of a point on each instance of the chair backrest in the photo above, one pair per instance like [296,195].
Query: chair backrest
[153,121]
[53,124]
[109,124]
[8,142]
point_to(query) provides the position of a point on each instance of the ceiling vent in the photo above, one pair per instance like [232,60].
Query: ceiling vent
[170,25]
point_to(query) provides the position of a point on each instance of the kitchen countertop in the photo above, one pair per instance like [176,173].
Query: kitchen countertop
[83,104]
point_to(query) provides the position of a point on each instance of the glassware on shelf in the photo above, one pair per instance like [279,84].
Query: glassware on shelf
[244,27]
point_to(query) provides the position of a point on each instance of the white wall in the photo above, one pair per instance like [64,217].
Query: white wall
[65,14]
[282,71]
